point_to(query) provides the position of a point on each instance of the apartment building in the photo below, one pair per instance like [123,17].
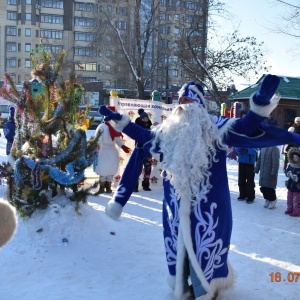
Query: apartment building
[92,53]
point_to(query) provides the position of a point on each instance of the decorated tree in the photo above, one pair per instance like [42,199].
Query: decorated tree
[50,148]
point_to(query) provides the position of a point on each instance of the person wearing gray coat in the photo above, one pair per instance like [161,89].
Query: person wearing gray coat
[267,166]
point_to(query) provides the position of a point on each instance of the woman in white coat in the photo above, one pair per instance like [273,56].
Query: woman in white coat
[108,155]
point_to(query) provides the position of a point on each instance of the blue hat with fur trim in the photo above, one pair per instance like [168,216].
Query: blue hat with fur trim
[11,112]
[194,91]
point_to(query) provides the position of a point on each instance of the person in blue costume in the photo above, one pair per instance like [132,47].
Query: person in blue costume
[197,217]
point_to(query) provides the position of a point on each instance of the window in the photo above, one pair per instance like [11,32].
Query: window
[11,47]
[28,17]
[27,32]
[11,15]
[122,25]
[81,6]
[52,3]
[28,2]
[53,48]
[12,2]
[27,47]
[107,67]
[108,53]
[109,8]
[19,47]
[84,36]
[122,11]
[99,68]
[86,66]
[11,30]
[88,22]
[36,33]
[86,78]
[162,29]
[163,2]
[85,51]
[19,31]
[27,63]
[189,19]
[162,16]
[55,19]
[11,62]
[175,73]
[51,34]
[176,30]
[121,54]
[190,5]
[19,63]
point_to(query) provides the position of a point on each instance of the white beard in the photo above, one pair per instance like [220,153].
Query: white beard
[189,140]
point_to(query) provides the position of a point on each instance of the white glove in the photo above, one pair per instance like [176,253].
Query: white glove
[295,177]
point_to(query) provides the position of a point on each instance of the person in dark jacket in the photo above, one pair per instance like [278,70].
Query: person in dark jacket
[267,166]
[9,129]
[144,121]
[246,159]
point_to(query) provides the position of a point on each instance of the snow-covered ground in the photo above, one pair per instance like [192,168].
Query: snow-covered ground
[57,254]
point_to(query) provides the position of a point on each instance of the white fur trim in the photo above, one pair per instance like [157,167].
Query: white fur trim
[8,222]
[120,125]
[185,240]
[227,126]
[264,111]
[181,252]
[171,281]
[114,209]
[220,284]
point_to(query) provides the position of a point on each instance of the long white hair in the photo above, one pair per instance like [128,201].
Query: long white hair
[189,141]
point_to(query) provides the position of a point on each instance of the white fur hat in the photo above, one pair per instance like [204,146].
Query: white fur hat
[297,119]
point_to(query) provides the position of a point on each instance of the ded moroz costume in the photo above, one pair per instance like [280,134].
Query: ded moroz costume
[197,217]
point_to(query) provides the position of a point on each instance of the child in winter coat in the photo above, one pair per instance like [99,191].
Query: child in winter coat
[293,183]
[286,149]
[268,165]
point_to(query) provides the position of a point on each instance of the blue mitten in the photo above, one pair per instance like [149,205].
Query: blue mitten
[267,89]
[109,114]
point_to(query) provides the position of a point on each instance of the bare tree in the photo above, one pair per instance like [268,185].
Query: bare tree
[225,56]
[289,21]
[132,41]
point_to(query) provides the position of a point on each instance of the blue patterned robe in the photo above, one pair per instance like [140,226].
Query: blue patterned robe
[204,232]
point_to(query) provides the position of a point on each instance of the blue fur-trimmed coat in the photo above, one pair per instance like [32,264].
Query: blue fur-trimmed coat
[205,230]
